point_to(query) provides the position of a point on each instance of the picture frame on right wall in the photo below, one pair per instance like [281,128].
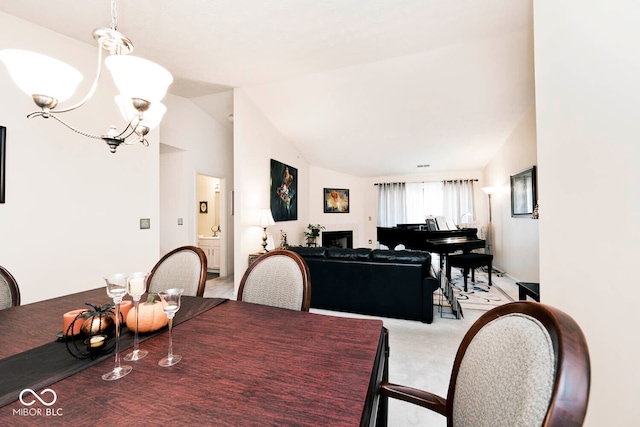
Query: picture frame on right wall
[523,193]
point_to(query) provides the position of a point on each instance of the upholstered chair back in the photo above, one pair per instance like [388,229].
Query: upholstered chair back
[279,278]
[507,375]
[184,267]
[9,291]
[520,364]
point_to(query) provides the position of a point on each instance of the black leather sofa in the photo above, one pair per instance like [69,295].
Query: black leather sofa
[377,282]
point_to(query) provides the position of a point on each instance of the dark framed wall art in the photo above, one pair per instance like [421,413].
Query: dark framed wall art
[283,192]
[3,162]
[523,193]
[336,200]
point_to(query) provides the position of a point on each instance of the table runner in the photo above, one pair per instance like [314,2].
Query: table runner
[49,363]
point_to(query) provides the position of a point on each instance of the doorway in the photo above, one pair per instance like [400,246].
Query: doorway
[211,232]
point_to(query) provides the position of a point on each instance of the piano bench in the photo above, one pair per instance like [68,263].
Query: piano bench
[468,262]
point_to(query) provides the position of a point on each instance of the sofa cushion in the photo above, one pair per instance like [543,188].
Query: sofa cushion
[404,257]
[361,254]
[309,252]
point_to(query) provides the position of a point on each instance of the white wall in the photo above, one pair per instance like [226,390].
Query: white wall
[72,208]
[355,220]
[194,143]
[588,98]
[514,240]
[256,141]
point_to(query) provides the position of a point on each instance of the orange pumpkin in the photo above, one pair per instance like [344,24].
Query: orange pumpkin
[151,316]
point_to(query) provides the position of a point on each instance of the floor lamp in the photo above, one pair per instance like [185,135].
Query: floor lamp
[489,191]
[265,220]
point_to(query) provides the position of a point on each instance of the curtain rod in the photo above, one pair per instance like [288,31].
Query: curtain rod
[405,182]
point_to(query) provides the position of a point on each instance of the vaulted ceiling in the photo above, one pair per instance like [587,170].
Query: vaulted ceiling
[366,87]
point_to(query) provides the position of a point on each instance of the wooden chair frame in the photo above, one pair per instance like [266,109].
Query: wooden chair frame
[304,268]
[570,395]
[13,286]
[203,266]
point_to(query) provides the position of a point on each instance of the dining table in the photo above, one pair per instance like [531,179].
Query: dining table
[242,364]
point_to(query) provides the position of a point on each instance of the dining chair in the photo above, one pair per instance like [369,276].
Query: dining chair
[184,267]
[9,290]
[520,364]
[279,278]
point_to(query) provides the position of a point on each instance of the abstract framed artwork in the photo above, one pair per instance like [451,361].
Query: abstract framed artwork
[523,193]
[3,162]
[283,192]
[336,200]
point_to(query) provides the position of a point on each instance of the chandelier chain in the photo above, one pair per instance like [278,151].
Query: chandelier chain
[88,135]
[114,15]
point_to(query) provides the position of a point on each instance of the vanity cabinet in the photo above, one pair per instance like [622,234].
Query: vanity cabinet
[211,248]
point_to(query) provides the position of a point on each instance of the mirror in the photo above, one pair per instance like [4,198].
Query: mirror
[523,192]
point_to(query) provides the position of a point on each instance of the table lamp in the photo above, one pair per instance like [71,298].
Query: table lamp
[265,220]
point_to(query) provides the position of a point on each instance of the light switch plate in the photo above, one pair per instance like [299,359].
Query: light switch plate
[179,221]
[145,223]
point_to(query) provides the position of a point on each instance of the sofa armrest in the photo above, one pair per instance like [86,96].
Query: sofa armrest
[429,286]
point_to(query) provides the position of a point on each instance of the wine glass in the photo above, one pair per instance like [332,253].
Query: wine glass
[136,286]
[117,289]
[170,305]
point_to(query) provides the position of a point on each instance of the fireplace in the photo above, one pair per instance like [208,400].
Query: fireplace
[337,239]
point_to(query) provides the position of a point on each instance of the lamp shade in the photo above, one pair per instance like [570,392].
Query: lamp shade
[139,78]
[38,74]
[489,190]
[265,218]
[150,118]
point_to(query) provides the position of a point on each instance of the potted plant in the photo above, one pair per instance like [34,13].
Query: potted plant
[313,231]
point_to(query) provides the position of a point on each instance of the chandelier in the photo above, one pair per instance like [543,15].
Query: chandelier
[142,84]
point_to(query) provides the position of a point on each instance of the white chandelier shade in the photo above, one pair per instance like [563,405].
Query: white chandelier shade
[142,85]
[150,118]
[139,78]
[37,74]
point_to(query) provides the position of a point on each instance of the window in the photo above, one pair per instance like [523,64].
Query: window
[424,199]
[412,202]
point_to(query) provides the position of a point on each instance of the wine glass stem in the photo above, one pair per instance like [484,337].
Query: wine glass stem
[117,363]
[170,355]
[136,341]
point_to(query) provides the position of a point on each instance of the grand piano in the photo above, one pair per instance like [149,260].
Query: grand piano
[442,242]
[418,237]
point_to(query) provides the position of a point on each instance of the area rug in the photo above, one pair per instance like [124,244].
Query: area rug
[479,296]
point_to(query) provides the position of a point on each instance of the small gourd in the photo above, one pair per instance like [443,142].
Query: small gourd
[151,317]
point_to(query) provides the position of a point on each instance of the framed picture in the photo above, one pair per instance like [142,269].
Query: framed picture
[3,161]
[523,192]
[336,200]
[283,192]
[204,207]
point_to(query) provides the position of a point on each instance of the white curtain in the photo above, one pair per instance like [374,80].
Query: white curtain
[458,200]
[392,204]
[423,199]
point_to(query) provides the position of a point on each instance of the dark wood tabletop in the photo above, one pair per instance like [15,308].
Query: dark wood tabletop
[243,365]
[32,325]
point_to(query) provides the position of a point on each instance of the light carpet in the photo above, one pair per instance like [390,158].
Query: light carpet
[480,296]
